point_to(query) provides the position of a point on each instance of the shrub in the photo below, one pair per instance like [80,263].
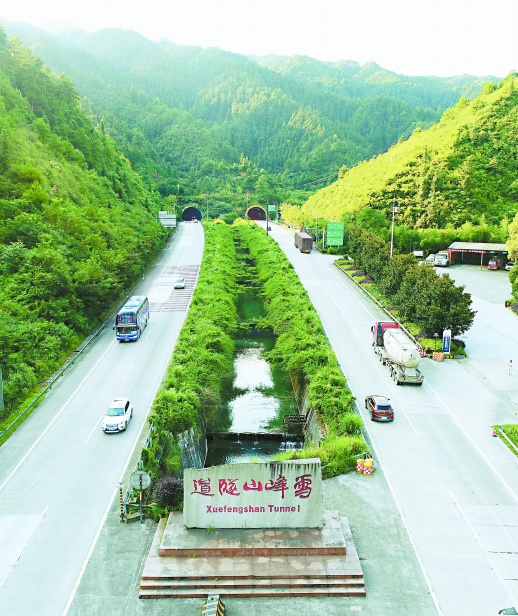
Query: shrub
[169,492]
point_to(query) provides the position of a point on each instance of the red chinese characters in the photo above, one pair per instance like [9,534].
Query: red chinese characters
[301,487]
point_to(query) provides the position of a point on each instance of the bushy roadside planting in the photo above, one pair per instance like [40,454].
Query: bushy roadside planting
[203,356]
[417,296]
[303,350]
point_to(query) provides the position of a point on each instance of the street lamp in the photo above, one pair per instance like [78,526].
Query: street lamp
[435,336]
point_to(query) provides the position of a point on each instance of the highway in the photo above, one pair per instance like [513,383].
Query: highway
[455,486]
[59,473]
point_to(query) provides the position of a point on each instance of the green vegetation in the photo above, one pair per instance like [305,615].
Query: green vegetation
[220,130]
[414,293]
[190,397]
[511,431]
[78,225]
[303,351]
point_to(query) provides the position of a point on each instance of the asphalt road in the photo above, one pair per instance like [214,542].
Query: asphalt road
[59,472]
[435,526]
[456,487]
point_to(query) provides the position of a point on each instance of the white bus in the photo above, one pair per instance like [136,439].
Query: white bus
[132,318]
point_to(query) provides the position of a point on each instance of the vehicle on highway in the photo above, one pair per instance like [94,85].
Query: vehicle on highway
[132,319]
[493,264]
[379,408]
[303,241]
[509,265]
[117,416]
[397,351]
[179,283]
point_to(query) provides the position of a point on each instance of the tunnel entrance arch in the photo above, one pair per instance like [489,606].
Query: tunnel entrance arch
[256,212]
[191,213]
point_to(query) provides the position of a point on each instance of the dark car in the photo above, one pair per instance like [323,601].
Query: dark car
[379,408]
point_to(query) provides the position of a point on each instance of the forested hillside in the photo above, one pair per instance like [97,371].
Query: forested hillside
[461,172]
[78,224]
[212,127]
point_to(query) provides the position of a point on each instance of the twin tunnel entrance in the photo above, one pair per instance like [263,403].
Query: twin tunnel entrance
[254,212]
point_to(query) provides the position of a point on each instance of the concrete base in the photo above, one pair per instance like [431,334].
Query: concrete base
[192,563]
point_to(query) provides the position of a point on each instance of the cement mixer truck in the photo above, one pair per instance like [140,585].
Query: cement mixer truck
[395,350]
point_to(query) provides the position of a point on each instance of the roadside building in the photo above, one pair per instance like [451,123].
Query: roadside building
[477,253]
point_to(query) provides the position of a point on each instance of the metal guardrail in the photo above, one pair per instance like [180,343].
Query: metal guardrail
[54,378]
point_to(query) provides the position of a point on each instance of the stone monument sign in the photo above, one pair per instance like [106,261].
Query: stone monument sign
[249,495]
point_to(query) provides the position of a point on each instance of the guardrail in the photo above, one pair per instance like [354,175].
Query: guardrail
[54,378]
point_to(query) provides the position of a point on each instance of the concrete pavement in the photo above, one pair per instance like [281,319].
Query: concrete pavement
[394,581]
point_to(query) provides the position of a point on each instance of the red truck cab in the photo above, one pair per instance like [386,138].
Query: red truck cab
[378,329]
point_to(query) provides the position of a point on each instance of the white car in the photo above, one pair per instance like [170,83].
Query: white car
[117,416]
[509,265]
[179,283]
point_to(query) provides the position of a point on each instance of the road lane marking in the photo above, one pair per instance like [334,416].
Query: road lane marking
[489,558]
[127,371]
[97,421]
[31,449]
[408,419]
[120,482]
[474,444]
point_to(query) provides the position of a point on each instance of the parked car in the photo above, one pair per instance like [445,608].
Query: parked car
[509,265]
[379,408]
[117,416]
[493,264]
[430,259]
[179,283]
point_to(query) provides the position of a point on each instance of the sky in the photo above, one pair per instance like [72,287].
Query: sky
[411,37]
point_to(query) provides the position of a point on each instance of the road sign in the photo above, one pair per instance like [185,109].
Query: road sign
[140,480]
[335,234]
[446,340]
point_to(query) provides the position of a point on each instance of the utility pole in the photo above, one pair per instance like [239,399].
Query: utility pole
[394,210]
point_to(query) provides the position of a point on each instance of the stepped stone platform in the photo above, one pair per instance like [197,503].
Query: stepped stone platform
[191,563]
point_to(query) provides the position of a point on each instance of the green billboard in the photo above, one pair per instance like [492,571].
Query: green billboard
[335,234]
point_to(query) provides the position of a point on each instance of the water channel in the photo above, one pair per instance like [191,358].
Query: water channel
[258,397]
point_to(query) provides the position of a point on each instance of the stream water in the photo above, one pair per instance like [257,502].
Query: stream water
[257,399]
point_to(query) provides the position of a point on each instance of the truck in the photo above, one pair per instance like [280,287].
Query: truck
[397,351]
[303,241]
[442,259]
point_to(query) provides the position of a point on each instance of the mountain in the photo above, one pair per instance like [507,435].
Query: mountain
[78,224]
[283,122]
[461,170]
